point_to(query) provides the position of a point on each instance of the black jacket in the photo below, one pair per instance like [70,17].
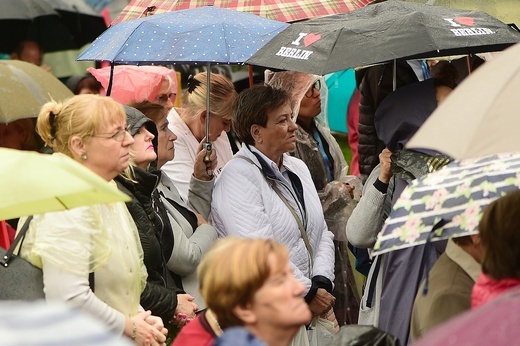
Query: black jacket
[151,219]
[376,83]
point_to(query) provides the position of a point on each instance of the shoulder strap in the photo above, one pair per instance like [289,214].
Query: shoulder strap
[19,240]
[303,232]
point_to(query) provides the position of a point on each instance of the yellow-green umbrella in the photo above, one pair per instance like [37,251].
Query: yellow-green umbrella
[34,183]
[24,88]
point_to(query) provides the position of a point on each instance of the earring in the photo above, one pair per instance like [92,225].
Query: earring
[84,157]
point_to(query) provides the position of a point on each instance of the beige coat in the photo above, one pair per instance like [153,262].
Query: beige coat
[450,282]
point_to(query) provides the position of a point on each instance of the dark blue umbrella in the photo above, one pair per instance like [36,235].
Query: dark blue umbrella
[199,35]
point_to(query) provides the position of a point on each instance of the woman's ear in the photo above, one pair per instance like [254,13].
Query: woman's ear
[77,146]
[202,116]
[245,314]
[256,133]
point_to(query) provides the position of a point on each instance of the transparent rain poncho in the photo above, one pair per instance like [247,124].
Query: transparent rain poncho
[102,239]
[335,197]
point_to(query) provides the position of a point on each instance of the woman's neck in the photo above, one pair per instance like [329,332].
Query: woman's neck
[274,336]
[275,157]
[195,127]
[305,124]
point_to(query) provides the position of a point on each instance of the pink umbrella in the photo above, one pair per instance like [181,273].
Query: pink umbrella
[134,83]
[495,323]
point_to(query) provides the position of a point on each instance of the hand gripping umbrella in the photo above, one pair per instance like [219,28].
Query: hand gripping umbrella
[204,35]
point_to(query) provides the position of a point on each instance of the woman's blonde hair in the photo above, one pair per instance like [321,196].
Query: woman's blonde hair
[81,115]
[233,270]
[222,96]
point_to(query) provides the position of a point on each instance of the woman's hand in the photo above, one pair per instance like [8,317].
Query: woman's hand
[185,311]
[142,332]
[386,166]
[204,170]
[322,302]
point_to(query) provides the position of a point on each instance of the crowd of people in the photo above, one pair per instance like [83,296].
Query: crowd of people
[252,247]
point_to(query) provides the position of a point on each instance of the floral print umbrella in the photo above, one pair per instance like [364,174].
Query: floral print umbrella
[449,202]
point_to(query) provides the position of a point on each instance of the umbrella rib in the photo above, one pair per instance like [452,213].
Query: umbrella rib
[61,202]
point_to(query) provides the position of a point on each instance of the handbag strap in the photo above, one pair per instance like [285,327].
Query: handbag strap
[303,232]
[19,237]
[19,240]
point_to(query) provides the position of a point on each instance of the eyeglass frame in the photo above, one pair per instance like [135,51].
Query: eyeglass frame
[119,136]
[316,85]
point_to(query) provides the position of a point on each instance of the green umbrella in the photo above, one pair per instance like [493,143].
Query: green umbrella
[34,183]
[24,88]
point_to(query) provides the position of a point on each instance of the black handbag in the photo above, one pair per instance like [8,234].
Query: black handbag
[19,279]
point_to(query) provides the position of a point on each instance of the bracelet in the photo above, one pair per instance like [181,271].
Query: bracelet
[134,329]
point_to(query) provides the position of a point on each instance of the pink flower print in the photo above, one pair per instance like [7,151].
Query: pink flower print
[471,217]
[398,232]
[411,235]
[413,222]
[457,220]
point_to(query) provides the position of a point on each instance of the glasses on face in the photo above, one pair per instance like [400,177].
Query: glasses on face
[118,136]
[165,97]
[315,86]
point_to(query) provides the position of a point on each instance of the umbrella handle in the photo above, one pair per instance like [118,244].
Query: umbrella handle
[209,147]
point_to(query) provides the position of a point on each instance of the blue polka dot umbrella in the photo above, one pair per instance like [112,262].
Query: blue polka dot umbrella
[200,35]
[204,35]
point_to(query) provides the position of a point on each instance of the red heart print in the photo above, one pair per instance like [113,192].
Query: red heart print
[310,39]
[468,21]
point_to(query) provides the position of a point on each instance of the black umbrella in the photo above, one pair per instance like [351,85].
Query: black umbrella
[381,33]
[54,30]
[84,23]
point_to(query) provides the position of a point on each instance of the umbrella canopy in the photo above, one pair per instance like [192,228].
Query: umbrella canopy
[37,183]
[380,33]
[280,10]
[32,20]
[480,116]
[200,35]
[448,202]
[496,323]
[83,22]
[24,88]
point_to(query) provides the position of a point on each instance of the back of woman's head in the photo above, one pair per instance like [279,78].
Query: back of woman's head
[222,95]
[252,107]
[233,270]
[499,231]
[81,116]
[154,111]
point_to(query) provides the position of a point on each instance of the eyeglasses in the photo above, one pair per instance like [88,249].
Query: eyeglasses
[164,97]
[315,86]
[118,136]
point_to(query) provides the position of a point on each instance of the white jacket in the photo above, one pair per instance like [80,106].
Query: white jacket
[189,246]
[245,205]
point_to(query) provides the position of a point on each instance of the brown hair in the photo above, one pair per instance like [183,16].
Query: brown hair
[81,115]
[252,107]
[152,110]
[222,96]
[233,270]
[499,231]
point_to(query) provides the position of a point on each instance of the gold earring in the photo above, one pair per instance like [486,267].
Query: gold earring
[84,156]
